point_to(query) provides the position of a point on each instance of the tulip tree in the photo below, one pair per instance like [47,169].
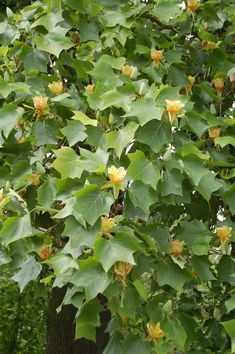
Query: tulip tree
[117,166]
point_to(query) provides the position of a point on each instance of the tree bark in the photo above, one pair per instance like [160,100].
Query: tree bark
[61,329]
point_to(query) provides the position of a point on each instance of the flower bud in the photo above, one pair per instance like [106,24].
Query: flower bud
[56,87]
[176,247]
[154,331]
[45,252]
[90,89]
[224,232]
[40,103]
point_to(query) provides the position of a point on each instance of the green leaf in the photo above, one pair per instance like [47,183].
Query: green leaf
[54,42]
[30,270]
[141,169]
[145,110]
[67,163]
[141,195]
[196,124]
[230,329]
[78,235]
[74,132]
[45,132]
[229,198]
[15,228]
[141,289]
[119,248]
[196,236]
[87,320]
[191,149]
[9,114]
[84,119]
[94,162]
[230,303]
[47,193]
[60,263]
[155,134]
[92,202]
[33,60]
[169,273]
[225,140]
[172,182]
[167,11]
[208,184]
[49,21]
[194,169]
[176,75]
[202,267]
[119,139]
[91,277]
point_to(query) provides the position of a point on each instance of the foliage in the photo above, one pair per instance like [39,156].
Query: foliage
[21,318]
[117,166]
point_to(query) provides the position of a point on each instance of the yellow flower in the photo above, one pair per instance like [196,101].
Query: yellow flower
[210,45]
[45,252]
[35,179]
[218,83]
[122,269]
[224,232]
[128,70]
[192,5]
[1,195]
[116,175]
[176,247]
[56,87]
[90,89]
[214,132]
[156,56]
[173,107]
[40,102]
[107,224]
[154,331]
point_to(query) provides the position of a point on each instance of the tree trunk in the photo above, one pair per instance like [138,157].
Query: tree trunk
[61,329]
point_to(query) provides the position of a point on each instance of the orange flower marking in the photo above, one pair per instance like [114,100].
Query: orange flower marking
[90,89]
[173,107]
[218,83]
[56,87]
[107,224]
[192,5]
[116,175]
[45,252]
[128,70]
[210,45]
[122,269]
[176,247]
[40,103]
[224,232]
[154,331]
[156,55]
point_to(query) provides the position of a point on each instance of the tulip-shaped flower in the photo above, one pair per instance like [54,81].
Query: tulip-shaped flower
[90,89]
[209,45]
[189,85]
[116,177]
[214,133]
[219,85]
[173,107]
[45,252]
[176,247]
[122,269]
[192,5]
[56,87]
[154,331]
[106,225]
[156,56]
[224,232]
[40,103]
[128,70]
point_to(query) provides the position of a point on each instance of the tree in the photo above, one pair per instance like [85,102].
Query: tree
[117,170]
